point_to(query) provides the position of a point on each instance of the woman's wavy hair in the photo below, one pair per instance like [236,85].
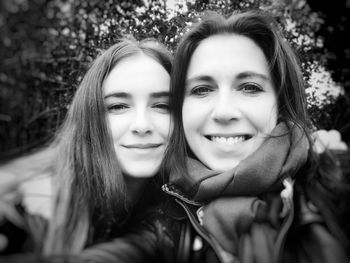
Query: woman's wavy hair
[91,191]
[319,179]
[282,61]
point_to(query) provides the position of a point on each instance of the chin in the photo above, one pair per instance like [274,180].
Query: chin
[142,172]
[223,167]
[140,168]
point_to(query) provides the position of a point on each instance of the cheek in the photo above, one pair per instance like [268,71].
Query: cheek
[265,119]
[191,116]
[186,120]
[162,125]
[117,125]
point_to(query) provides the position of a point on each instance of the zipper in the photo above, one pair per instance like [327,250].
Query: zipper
[166,189]
[223,256]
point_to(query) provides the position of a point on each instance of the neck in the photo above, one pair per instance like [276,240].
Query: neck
[135,188]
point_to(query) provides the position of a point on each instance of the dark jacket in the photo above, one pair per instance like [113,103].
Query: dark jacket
[171,232]
[310,232]
[303,237]
[148,236]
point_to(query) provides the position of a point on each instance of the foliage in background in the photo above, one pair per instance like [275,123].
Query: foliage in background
[46,47]
[334,32]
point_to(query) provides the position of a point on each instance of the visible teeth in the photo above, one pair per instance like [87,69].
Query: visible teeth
[227,140]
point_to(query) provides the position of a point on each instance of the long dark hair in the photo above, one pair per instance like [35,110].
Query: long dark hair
[320,181]
[283,63]
[91,191]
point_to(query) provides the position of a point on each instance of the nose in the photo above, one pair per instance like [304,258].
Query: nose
[225,108]
[141,124]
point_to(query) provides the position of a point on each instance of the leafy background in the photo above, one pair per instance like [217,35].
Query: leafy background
[46,47]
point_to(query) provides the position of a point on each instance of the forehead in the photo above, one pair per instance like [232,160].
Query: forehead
[138,73]
[225,52]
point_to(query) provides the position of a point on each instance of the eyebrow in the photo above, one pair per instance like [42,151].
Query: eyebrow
[199,78]
[240,76]
[161,94]
[125,95]
[250,74]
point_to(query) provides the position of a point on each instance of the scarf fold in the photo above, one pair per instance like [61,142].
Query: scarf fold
[235,215]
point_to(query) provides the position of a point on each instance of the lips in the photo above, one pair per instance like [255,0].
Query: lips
[228,139]
[142,145]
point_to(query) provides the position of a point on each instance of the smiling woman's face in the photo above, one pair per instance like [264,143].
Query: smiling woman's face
[230,103]
[136,95]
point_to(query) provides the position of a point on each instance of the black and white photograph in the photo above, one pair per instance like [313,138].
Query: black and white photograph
[174,131]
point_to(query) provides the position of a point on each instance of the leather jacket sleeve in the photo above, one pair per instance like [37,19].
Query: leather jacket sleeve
[150,240]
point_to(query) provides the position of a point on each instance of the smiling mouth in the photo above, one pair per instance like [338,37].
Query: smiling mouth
[143,146]
[228,140]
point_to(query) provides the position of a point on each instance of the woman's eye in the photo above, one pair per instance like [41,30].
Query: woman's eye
[200,90]
[251,88]
[117,108]
[162,106]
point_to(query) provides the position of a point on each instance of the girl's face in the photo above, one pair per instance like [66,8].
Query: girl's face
[136,95]
[230,103]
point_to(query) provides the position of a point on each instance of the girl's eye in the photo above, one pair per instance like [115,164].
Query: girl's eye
[117,108]
[200,90]
[251,88]
[162,107]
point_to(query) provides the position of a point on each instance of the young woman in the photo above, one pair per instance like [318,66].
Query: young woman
[240,149]
[241,159]
[247,184]
[110,145]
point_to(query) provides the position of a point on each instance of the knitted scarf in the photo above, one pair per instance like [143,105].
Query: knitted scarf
[242,211]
